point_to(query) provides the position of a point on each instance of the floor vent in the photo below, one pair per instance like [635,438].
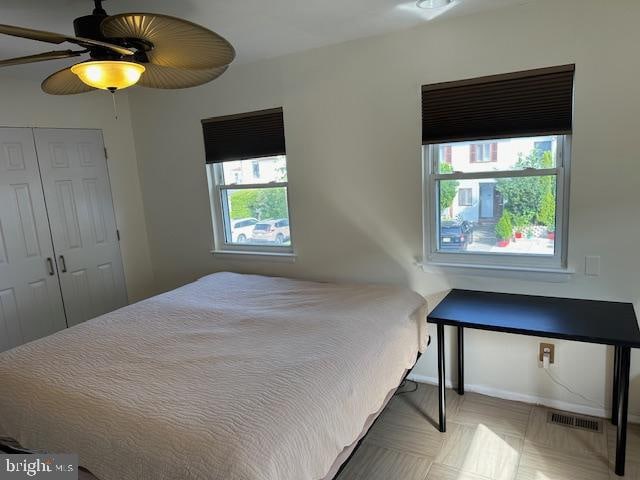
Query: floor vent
[574,421]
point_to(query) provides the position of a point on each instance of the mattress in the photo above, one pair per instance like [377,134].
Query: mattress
[234,377]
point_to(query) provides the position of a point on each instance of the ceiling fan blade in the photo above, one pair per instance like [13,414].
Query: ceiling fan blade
[177,43]
[64,82]
[89,42]
[41,57]
[51,37]
[39,35]
[156,76]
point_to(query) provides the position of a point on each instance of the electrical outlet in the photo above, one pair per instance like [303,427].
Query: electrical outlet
[552,352]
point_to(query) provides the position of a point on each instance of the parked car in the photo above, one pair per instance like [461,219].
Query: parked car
[455,235]
[241,229]
[271,231]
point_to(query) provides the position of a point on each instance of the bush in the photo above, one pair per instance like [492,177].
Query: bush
[523,195]
[258,203]
[504,227]
[520,222]
[448,188]
[547,214]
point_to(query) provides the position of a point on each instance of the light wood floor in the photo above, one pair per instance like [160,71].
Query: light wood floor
[486,439]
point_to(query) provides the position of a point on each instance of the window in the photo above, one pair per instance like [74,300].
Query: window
[248,185]
[520,209]
[256,168]
[445,153]
[484,152]
[465,197]
[251,211]
[543,146]
[496,169]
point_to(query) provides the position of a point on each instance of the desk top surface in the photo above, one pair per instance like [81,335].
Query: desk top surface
[593,321]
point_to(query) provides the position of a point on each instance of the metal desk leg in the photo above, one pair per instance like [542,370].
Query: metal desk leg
[616,380]
[441,380]
[460,361]
[623,407]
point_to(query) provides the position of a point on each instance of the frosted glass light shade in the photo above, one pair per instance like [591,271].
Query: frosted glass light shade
[109,75]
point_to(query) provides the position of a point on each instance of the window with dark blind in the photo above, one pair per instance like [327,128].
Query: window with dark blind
[246,135]
[496,176]
[248,185]
[529,103]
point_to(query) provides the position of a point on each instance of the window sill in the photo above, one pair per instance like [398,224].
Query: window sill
[566,272]
[256,256]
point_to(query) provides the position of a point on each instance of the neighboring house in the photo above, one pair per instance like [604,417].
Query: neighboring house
[478,201]
[263,170]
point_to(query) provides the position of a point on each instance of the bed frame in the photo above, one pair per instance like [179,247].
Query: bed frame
[355,449]
[9,446]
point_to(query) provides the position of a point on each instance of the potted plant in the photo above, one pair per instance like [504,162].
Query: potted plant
[504,230]
[519,224]
[551,232]
[528,232]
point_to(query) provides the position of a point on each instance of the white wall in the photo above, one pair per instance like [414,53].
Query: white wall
[23,104]
[352,118]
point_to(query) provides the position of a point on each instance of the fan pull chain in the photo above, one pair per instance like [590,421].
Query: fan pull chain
[115,105]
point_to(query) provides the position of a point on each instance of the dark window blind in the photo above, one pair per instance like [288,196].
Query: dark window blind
[533,102]
[246,135]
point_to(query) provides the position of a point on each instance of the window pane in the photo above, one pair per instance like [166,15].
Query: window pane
[256,216]
[504,215]
[498,155]
[255,170]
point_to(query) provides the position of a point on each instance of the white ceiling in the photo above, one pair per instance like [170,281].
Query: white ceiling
[258,29]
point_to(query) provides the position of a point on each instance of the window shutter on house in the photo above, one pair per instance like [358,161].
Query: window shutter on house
[533,102]
[473,154]
[246,135]
[494,152]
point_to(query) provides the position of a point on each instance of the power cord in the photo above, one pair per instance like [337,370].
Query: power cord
[560,384]
[404,383]
[573,392]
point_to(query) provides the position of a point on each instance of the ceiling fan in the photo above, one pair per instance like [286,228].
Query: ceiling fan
[151,50]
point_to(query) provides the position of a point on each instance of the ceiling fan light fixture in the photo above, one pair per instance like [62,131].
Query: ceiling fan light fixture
[432,3]
[109,74]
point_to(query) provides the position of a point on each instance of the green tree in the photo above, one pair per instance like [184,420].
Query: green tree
[272,203]
[448,188]
[242,203]
[523,195]
[547,214]
[264,203]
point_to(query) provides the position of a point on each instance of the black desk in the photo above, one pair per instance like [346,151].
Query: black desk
[608,323]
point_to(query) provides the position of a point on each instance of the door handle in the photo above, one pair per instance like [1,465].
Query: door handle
[50,265]
[63,263]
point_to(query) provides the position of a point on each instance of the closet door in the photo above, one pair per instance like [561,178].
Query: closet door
[78,195]
[30,302]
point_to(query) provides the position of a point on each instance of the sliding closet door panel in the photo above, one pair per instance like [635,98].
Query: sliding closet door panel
[78,195]
[30,302]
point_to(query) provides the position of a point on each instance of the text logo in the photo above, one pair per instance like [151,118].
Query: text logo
[49,466]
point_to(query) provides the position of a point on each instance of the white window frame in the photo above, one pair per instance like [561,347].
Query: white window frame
[215,179]
[506,261]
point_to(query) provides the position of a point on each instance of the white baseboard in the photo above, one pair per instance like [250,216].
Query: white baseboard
[522,397]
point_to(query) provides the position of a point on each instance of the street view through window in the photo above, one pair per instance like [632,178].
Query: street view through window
[498,196]
[254,201]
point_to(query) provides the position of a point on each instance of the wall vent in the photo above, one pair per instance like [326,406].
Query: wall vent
[574,421]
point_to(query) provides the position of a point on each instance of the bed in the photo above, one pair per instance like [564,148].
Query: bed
[234,377]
